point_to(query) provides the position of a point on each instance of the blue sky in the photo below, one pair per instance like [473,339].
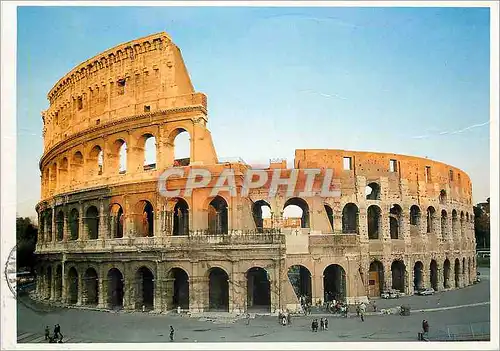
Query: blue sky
[403,80]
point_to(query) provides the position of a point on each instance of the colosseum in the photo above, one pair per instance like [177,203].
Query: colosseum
[109,239]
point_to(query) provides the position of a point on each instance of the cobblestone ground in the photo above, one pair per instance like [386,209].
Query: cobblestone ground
[96,326]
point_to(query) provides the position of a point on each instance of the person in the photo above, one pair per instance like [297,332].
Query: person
[315,325]
[321,324]
[289,318]
[248,318]
[312,325]
[425,327]
[171,333]
[283,319]
[326,324]
[362,310]
[374,307]
[47,333]
[358,310]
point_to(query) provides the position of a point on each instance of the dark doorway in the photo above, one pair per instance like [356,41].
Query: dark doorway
[181,218]
[375,279]
[218,216]
[74,224]
[398,275]
[60,226]
[180,295]
[59,278]
[91,286]
[418,280]
[49,282]
[72,286]
[373,214]
[350,220]
[446,273]
[300,278]
[258,290]
[92,222]
[457,273]
[218,290]
[434,275]
[145,289]
[115,289]
[334,283]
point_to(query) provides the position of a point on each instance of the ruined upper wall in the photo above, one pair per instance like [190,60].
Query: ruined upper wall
[416,172]
[136,77]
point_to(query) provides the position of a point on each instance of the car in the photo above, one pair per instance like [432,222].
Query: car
[425,292]
[390,294]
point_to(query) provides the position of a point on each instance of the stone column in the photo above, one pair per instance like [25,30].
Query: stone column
[363,225]
[102,302]
[440,280]
[167,292]
[238,292]
[53,285]
[64,292]
[317,288]
[102,230]
[81,228]
[66,230]
[40,238]
[80,298]
[54,227]
[128,298]
[387,274]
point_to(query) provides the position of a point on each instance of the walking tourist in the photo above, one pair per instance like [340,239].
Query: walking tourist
[289,318]
[171,333]
[326,324]
[425,327]
[362,310]
[321,324]
[47,333]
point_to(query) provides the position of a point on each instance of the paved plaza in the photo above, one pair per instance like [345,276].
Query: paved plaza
[465,306]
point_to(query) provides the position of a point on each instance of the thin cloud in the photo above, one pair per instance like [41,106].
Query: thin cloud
[452,132]
[333,95]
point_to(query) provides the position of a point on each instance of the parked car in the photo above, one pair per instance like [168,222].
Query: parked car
[390,294]
[425,292]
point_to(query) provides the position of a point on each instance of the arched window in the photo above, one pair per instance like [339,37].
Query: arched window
[179,139]
[431,215]
[95,161]
[373,216]
[149,152]
[218,216]
[372,191]
[350,219]
[296,208]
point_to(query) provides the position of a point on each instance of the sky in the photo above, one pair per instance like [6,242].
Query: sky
[410,81]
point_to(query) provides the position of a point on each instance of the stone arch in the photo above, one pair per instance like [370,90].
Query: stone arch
[148,143]
[179,141]
[257,213]
[418,276]
[180,217]
[446,274]
[58,282]
[63,172]
[258,289]
[434,275]
[145,286]
[117,218]
[457,273]
[144,218]
[60,225]
[48,225]
[374,224]
[218,216]
[334,283]
[398,270]
[302,204]
[95,161]
[72,283]
[77,167]
[372,191]
[90,287]
[116,290]
[74,224]
[462,221]
[300,278]
[442,197]
[92,222]
[375,278]
[329,215]
[454,222]
[350,219]
[178,280]
[49,281]
[395,221]
[415,215]
[218,289]
[444,223]
[431,217]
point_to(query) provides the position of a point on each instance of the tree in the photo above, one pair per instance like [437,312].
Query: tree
[26,234]
[482,223]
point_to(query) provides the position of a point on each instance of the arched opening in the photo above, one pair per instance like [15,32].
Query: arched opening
[334,283]
[149,152]
[63,173]
[95,161]
[395,221]
[446,274]
[74,224]
[48,225]
[414,219]
[300,278]
[217,216]
[444,223]
[434,275]
[60,225]
[373,215]
[372,191]
[297,208]
[77,167]
[258,290]
[115,289]
[454,222]
[218,290]
[462,220]
[181,218]
[121,146]
[180,290]
[398,275]
[418,275]
[329,214]
[49,282]
[91,287]
[72,286]
[145,289]
[375,279]
[260,210]
[180,140]
[431,216]
[92,222]
[442,197]
[117,218]
[457,273]
[350,221]
[145,221]
[58,281]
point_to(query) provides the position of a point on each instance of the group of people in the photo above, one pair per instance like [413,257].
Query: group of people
[323,324]
[57,337]
[305,304]
[285,318]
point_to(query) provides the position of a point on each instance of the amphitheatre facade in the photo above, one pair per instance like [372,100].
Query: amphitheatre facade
[109,239]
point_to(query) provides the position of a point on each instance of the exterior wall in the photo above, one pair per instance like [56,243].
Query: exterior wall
[156,76]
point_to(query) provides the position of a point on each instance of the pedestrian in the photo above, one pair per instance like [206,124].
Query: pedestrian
[326,324]
[321,324]
[171,333]
[358,310]
[289,318]
[315,325]
[248,318]
[47,332]
[55,331]
[425,327]
[374,307]
[312,325]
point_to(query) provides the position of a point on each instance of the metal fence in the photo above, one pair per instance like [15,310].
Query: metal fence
[463,332]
